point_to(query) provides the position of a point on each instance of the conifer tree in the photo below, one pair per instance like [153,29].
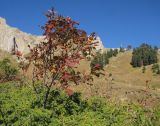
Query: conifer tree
[144,55]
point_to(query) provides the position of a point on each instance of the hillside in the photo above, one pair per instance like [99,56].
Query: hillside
[125,84]
[121,81]
[124,73]
[64,75]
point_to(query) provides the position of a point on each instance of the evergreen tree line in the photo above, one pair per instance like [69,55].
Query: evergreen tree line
[144,55]
[103,58]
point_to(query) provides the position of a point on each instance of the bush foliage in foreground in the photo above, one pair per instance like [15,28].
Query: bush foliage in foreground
[7,70]
[20,106]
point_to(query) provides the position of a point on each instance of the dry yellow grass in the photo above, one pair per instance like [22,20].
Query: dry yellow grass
[125,81]
[124,73]
[4,54]
[123,85]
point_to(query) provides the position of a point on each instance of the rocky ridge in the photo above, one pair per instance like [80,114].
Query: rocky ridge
[10,36]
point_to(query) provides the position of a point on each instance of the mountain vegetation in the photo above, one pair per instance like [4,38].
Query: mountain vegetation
[102,58]
[144,55]
[56,59]
[156,68]
[7,70]
[55,93]
[20,106]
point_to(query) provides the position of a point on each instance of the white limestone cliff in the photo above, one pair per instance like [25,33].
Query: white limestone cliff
[99,44]
[9,34]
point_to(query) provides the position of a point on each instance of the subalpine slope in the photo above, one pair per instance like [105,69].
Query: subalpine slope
[126,82]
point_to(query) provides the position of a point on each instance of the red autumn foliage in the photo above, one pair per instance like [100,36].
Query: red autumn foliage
[97,66]
[56,59]
[18,53]
[66,76]
[69,91]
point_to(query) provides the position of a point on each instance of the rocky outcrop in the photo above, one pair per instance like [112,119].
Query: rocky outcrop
[99,44]
[11,38]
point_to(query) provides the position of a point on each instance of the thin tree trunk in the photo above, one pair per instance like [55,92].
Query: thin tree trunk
[46,98]
[48,89]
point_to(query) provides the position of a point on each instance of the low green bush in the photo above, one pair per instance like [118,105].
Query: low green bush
[22,107]
[7,70]
[156,68]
